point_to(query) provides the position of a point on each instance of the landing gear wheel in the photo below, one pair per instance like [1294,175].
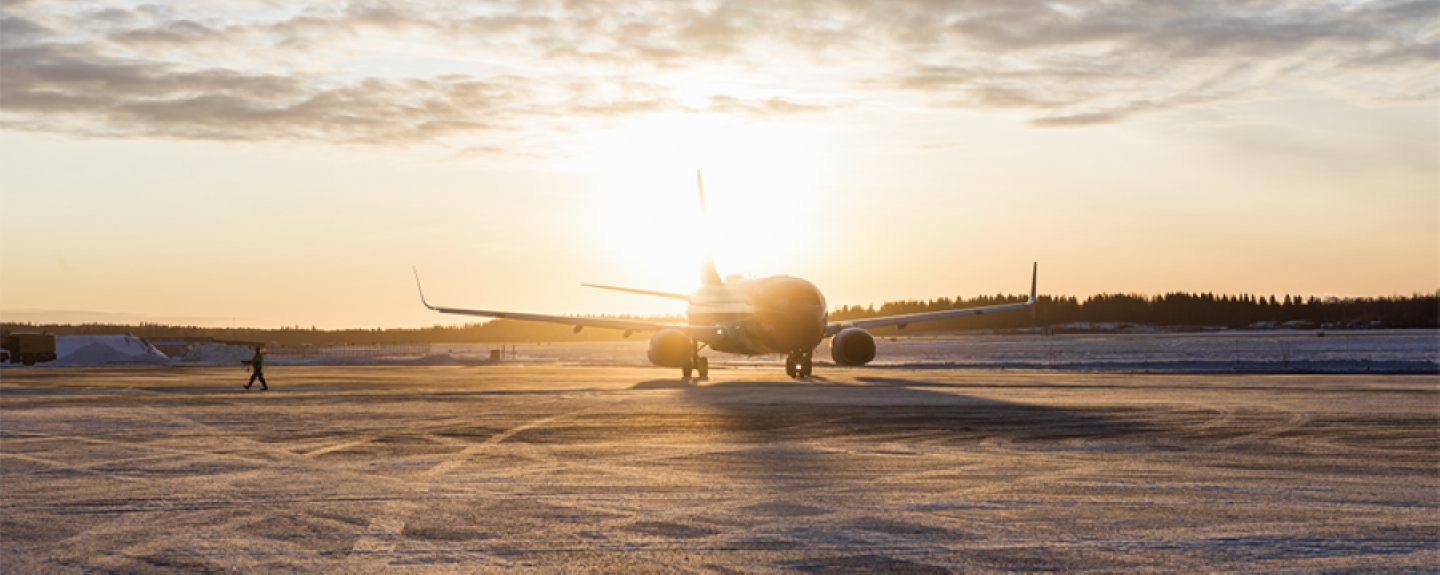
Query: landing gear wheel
[806,366]
[702,366]
[792,366]
[694,360]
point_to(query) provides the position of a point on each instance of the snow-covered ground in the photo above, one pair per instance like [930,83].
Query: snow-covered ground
[1402,351]
[616,469]
[1412,351]
[1239,350]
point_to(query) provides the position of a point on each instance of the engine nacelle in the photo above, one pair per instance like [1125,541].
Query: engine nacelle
[670,348]
[852,346]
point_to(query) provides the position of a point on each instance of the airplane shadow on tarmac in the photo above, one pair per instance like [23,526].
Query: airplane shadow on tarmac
[893,409]
[825,460]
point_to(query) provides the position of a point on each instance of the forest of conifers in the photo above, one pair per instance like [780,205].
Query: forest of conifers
[1174,310]
[1169,310]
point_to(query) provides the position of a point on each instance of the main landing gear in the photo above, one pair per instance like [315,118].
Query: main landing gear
[696,363]
[798,363]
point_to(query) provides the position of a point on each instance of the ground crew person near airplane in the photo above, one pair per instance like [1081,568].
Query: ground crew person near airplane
[256,364]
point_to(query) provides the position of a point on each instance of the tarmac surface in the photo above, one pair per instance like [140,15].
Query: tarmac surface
[626,469]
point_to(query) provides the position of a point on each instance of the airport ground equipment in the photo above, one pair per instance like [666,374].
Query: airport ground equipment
[30,348]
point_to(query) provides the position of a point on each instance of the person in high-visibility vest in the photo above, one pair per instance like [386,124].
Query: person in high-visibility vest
[257,364]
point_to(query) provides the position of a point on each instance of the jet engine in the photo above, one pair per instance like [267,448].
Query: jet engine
[852,346]
[670,348]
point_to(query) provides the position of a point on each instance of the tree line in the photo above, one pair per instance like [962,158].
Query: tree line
[1171,310]
[1174,310]
[499,330]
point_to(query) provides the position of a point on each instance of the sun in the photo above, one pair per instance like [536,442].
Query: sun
[756,221]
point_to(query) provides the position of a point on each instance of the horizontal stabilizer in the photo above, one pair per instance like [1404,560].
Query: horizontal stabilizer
[679,296]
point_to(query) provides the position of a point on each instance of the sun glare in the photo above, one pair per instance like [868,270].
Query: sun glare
[757,218]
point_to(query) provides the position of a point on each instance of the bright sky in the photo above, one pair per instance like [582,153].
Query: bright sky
[271,163]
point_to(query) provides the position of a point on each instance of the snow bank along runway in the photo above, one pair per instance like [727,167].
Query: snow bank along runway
[458,468]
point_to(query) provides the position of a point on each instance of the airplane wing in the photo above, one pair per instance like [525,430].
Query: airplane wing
[903,320]
[698,332]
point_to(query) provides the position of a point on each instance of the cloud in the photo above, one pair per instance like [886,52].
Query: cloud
[341,72]
[20,31]
[766,108]
[67,88]
[180,32]
[1087,119]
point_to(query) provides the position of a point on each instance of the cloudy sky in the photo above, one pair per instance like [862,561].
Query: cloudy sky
[284,163]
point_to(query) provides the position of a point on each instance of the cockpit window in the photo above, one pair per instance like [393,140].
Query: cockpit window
[788,293]
[797,299]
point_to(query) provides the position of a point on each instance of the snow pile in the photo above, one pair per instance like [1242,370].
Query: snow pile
[85,350]
[125,344]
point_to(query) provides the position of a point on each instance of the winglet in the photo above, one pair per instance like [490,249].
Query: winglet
[1034,272]
[417,286]
[708,275]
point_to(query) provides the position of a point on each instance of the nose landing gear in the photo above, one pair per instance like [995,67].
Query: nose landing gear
[798,363]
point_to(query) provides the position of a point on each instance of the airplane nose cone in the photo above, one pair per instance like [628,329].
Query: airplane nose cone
[797,314]
[791,329]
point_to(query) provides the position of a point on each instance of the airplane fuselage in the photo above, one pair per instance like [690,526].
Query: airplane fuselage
[779,314]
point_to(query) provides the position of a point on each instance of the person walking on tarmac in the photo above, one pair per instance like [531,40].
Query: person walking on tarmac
[257,364]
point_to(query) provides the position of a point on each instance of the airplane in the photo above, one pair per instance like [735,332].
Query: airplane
[755,316]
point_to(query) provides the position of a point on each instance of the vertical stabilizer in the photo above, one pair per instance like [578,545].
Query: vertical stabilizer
[708,275]
[700,185]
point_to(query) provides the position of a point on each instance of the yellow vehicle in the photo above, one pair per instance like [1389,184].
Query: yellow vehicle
[29,348]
